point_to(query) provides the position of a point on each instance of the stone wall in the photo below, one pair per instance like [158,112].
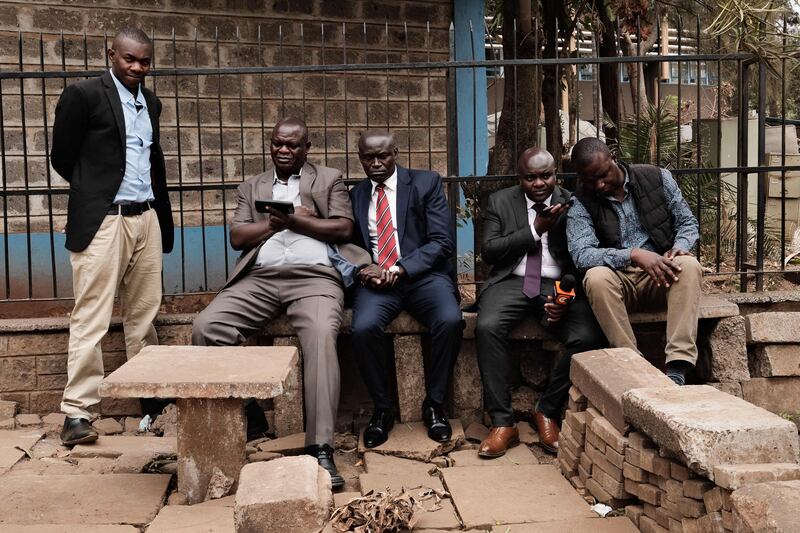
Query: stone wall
[674,457]
[213,127]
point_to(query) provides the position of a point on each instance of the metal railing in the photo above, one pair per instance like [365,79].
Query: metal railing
[221,98]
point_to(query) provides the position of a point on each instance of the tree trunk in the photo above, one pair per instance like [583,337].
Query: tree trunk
[551,19]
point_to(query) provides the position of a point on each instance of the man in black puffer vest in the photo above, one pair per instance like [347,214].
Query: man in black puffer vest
[632,233]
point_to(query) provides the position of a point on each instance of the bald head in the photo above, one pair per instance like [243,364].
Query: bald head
[536,169]
[377,150]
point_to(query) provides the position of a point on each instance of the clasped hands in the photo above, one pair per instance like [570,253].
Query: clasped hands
[661,268]
[375,277]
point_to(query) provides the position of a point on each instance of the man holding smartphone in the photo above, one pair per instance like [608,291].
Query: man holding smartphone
[525,243]
[285,265]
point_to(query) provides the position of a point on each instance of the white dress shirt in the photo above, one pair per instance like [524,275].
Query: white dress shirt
[390,188]
[550,268]
[287,247]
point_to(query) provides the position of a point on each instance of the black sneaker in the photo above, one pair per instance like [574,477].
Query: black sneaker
[324,455]
[257,426]
[77,431]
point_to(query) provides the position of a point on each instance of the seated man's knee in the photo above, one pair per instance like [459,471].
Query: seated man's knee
[690,266]
[201,329]
[598,279]
[488,324]
[364,328]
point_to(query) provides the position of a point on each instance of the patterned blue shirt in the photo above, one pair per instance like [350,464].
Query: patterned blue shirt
[583,243]
[135,186]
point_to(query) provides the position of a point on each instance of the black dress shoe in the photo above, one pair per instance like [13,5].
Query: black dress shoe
[257,425]
[435,420]
[378,428]
[324,455]
[77,431]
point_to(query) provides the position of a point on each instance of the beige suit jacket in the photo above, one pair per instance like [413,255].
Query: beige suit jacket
[321,190]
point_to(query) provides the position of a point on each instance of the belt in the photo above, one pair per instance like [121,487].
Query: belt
[129,210]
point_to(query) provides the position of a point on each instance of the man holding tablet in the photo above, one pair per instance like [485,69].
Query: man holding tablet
[284,221]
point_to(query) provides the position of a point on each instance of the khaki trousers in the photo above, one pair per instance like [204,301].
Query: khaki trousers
[124,255]
[612,293]
[313,299]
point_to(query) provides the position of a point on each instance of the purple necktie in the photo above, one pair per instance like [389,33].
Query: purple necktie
[532,283]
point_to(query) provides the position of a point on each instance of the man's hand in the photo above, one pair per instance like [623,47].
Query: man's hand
[278,220]
[394,277]
[373,276]
[303,211]
[546,218]
[661,269]
[554,311]
[675,252]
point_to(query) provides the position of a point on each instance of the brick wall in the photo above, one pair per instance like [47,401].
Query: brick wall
[224,119]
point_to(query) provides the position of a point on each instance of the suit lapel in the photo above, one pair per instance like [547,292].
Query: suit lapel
[308,175]
[116,106]
[520,208]
[403,195]
[264,186]
[361,199]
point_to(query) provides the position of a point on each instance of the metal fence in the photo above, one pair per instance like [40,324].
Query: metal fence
[221,97]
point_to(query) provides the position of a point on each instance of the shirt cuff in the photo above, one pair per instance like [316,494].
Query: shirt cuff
[682,245]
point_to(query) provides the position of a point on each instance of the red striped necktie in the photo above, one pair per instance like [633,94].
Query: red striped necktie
[387,244]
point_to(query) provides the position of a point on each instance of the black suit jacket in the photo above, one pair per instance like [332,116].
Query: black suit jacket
[423,221]
[89,152]
[507,235]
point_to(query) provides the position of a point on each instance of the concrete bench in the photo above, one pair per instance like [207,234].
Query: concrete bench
[210,384]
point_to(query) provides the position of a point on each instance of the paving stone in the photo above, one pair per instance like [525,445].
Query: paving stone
[343,498]
[294,444]
[108,426]
[11,441]
[114,446]
[131,424]
[777,395]
[263,456]
[723,351]
[200,518]
[7,409]
[770,360]
[476,432]
[66,528]
[296,498]
[8,423]
[527,435]
[617,524]
[83,499]
[515,494]
[411,441]
[54,419]
[732,477]
[605,375]
[202,372]
[28,420]
[518,455]
[770,506]
[706,428]
[734,388]
[772,327]
[378,463]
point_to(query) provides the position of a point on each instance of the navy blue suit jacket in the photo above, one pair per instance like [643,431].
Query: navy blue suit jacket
[423,218]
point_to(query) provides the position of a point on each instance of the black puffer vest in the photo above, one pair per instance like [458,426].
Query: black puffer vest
[647,189]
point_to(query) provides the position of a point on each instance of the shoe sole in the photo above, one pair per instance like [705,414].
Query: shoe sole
[496,455]
[82,440]
[548,448]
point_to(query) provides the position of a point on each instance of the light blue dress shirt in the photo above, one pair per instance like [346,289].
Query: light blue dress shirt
[136,186]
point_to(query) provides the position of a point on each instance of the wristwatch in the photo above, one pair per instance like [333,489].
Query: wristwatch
[394,269]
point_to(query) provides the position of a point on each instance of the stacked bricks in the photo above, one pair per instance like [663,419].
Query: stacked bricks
[671,497]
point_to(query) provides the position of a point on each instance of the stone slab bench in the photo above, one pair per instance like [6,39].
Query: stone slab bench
[210,385]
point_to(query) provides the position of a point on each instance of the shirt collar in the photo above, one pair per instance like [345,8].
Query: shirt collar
[530,202]
[626,182]
[125,94]
[292,177]
[389,183]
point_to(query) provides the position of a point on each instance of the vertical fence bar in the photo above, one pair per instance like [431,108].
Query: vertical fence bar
[453,191]
[783,146]
[761,188]
[428,89]
[47,171]
[718,259]
[516,94]
[698,142]
[346,106]
[366,76]
[241,107]
[324,94]
[280,62]
[261,102]
[658,98]
[180,162]
[303,72]
[742,161]
[200,166]
[386,35]
[4,167]
[221,157]
[637,103]
[408,91]
[25,173]
[680,87]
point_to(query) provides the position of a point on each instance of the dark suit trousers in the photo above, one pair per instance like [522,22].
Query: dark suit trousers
[431,299]
[501,307]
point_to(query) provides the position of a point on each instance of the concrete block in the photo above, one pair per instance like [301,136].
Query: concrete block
[290,406]
[769,360]
[732,477]
[723,352]
[609,434]
[696,488]
[706,428]
[605,375]
[467,385]
[411,442]
[770,506]
[777,395]
[297,497]
[772,327]
[410,370]
[7,409]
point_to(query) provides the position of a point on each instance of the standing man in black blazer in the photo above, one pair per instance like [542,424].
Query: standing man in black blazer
[525,243]
[119,220]
[402,219]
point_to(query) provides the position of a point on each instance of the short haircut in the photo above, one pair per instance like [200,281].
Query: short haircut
[585,150]
[134,34]
[379,133]
[295,122]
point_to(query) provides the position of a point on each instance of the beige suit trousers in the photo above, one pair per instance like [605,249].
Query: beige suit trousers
[612,293]
[313,299]
[124,255]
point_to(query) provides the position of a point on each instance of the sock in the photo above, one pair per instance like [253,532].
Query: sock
[676,371]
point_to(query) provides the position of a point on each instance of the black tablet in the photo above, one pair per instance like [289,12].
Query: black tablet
[278,205]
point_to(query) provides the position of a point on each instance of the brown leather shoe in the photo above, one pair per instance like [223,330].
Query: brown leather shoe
[548,431]
[499,440]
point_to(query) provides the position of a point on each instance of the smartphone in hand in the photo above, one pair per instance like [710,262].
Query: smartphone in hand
[278,205]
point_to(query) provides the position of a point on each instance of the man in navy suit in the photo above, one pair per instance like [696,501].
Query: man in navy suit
[402,219]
